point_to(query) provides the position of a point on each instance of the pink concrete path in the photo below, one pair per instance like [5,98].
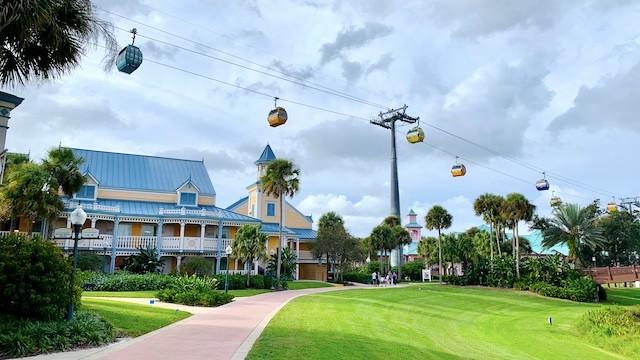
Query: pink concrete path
[227,332]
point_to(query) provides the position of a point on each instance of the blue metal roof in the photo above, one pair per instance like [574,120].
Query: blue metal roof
[145,208]
[412,212]
[144,173]
[272,228]
[237,203]
[413,225]
[305,234]
[266,157]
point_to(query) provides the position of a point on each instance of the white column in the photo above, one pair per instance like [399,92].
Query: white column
[182,224]
[255,268]
[93,222]
[235,264]
[298,259]
[202,226]
[179,258]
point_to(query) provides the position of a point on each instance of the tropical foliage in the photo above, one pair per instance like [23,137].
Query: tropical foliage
[281,179]
[42,39]
[146,261]
[288,261]
[335,241]
[249,245]
[438,218]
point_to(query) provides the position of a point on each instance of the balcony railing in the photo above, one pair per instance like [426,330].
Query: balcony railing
[128,243]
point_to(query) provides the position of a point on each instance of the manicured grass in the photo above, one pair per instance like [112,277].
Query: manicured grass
[121,294]
[624,296]
[427,322]
[133,319]
[299,285]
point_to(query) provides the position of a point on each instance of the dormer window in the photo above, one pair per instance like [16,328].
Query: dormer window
[86,192]
[188,199]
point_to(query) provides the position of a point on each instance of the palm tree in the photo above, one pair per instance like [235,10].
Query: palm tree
[331,233]
[42,39]
[250,245]
[515,208]
[64,166]
[438,218]
[382,240]
[280,180]
[488,206]
[574,227]
[399,235]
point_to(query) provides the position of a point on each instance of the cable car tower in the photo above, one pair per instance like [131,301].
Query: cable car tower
[388,121]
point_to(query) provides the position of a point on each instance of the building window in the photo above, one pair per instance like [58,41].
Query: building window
[188,199]
[225,233]
[271,209]
[87,192]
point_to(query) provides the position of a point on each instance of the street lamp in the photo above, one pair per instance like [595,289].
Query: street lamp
[77,217]
[228,250]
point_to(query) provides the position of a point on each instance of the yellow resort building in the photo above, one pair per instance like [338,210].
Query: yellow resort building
[138,201]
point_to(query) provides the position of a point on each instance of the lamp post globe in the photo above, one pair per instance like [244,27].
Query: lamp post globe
[228,251]
[77,218]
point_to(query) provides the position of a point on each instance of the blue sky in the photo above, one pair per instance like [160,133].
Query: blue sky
[549,86]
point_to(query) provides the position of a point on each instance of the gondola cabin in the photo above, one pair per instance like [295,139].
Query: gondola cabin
[611,207]
[458,170]
[277,116]
[415,135]
[555,201]
[542,184]
[129,59]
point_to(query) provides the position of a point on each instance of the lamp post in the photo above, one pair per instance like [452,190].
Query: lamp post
[77,217]
[229,251]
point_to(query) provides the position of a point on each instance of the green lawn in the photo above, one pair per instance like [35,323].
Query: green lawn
[122,294]
[301,284]
[248,292]
[133,319]
[427,322]
[623,296]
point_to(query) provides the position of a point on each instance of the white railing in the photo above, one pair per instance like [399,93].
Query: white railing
[306,255]
[104,241]
[236,272]
[5,233]
[94,206]
[169,243]
[185,211]
[135,242]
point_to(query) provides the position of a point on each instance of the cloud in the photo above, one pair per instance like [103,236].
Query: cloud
[497,102]
[345,145]
[353,38]
[159,52]
[477,18]
[305,73]
[613,102]
[215,161]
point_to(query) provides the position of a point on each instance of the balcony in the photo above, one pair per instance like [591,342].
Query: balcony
[132,243]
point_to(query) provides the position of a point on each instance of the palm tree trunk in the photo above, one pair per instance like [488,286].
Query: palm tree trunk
[249,274]
[439,257]
[279,243]
[517,240]
[491,240]
[498,239]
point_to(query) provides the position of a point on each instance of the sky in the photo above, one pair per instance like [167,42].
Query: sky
[513,88]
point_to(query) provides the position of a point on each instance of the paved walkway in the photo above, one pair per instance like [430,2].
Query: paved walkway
[225,332]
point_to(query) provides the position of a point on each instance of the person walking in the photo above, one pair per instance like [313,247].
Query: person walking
[374,279]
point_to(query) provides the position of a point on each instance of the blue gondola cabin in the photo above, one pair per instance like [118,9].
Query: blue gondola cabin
[129,59]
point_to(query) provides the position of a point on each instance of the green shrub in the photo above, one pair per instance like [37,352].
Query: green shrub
[124,281]
[19,338]
[502,272]
[373,265]
[257,282]
[196,265]
[34,279]
[147,261]
[195,291]
[413,269]
[614,328]
[88,261]
[357,276]
[581,289]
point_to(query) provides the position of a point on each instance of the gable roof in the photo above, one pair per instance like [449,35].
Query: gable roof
[266,157]
[237,203]
[142,172]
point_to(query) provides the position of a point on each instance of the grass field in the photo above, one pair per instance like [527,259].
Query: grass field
[427,322]
[133,319]
[623,296]
[299,285]
[121,294]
